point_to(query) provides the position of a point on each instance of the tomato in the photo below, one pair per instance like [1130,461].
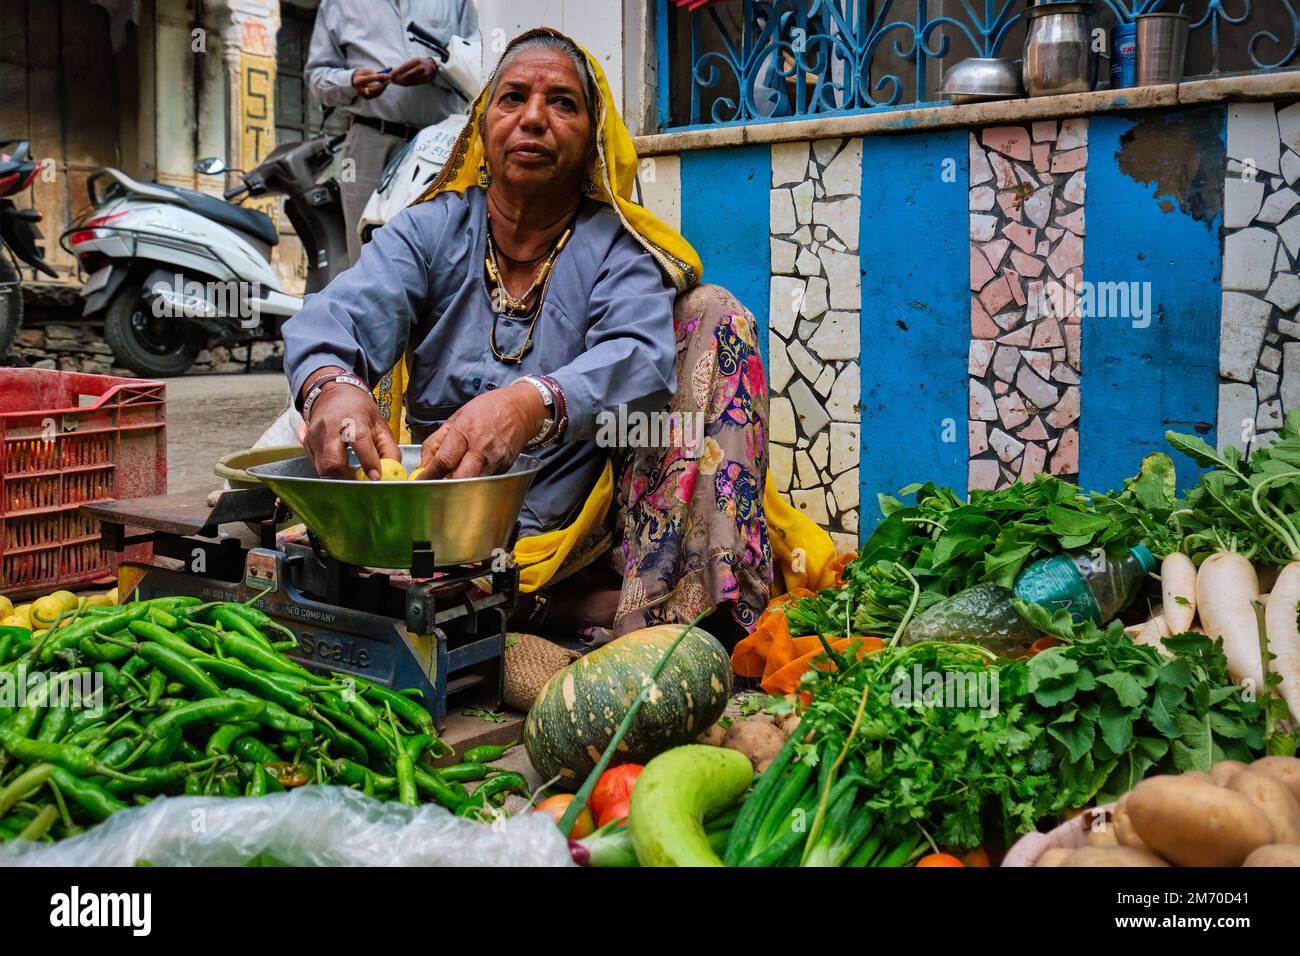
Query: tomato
[556,807]
[939,859]
[976,857]
[1042,644]
[613,812]
[613,787]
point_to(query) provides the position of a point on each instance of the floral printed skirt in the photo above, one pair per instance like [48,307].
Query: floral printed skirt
[690,534]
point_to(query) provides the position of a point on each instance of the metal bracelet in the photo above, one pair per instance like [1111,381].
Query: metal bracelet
[316,390]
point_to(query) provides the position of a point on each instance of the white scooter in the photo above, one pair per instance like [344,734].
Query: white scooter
[174,270]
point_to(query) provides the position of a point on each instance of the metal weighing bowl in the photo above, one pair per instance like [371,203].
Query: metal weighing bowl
[234,467]
[375,523]
[982,79]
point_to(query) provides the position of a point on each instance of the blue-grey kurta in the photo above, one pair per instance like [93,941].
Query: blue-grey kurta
[605,332]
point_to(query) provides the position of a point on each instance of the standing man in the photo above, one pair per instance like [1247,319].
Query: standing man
[361,59]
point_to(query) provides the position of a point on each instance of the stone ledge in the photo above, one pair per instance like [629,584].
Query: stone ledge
[1219,89]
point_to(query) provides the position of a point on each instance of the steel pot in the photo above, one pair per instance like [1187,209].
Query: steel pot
[1058,49]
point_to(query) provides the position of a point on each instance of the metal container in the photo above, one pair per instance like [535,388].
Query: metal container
[980,79]
[1123,56]
[1162,43]
[1058,49]
[377,523]
[234,467]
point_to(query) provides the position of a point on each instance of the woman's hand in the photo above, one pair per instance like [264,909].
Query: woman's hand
[344,413]
[485,435]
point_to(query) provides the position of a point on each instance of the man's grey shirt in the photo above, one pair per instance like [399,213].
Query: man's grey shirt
[605,332]
[371,34]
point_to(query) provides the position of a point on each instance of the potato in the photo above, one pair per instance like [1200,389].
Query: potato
[790,726]
[1225,770]
[1054,856]
[1272,798]
[713,736]
[1125,835]
[1194,823]
[1111,856]
[1275,854]
[1199,775]
[756,739]
[1102,835]
[1286,769]
[763,766]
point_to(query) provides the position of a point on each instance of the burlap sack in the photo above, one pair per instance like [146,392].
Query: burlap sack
[530,662]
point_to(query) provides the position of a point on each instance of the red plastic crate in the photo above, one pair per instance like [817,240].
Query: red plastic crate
[68,439]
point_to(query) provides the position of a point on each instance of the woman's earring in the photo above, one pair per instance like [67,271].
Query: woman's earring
[589,187]
[484,177]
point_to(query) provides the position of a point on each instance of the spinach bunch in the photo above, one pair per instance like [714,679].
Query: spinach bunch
[946,544]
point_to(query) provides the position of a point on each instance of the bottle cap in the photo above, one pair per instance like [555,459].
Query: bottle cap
[1145,557]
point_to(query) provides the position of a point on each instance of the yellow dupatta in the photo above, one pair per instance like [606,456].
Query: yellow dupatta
[804,551]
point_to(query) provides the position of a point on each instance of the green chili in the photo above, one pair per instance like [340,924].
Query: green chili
[40,823]
[217,709]
[92,798]
[235,672]
[272,714]
[157,686]
[24,785]
[180,668]
[463,772]
[404,707]
[34,705]
[405,767]
[248,747]
[72,634]
[502,783]
[55,724]
[374,743]
[148,631]
[449,795]
[487,752]
[225,735]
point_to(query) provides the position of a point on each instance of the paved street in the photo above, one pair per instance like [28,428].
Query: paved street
[212,415]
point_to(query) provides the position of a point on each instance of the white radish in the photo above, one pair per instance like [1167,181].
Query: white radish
[1178,588]
[1151,633]
[1280,621]
[1226,589]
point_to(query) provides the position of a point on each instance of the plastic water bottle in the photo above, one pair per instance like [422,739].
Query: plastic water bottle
[1092,586]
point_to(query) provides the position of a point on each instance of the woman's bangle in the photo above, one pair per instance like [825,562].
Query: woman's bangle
[315,391]
[561,410]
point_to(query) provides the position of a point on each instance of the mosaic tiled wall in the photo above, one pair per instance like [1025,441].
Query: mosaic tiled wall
[1259,348]
[814,317]
[1027,188]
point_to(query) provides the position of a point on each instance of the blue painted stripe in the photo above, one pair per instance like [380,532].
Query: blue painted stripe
[1138,382]
[915,248]
[662,56]
[725,203]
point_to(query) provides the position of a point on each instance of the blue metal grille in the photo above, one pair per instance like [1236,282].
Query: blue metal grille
[746,61]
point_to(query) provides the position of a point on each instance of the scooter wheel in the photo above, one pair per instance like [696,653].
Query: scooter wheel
[148,344]
[11,307]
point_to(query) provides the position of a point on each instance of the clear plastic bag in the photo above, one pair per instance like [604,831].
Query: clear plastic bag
[308,826]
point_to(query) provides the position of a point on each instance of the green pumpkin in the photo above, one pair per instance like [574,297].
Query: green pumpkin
[576,713]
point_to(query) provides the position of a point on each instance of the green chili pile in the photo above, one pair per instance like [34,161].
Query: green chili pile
[176,697]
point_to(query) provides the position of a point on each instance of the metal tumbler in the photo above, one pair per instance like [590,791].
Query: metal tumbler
[1161,45]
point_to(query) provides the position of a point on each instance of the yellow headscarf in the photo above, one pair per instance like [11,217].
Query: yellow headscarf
[803,550]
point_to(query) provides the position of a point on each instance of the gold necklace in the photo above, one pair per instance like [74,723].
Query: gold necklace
[503,301]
